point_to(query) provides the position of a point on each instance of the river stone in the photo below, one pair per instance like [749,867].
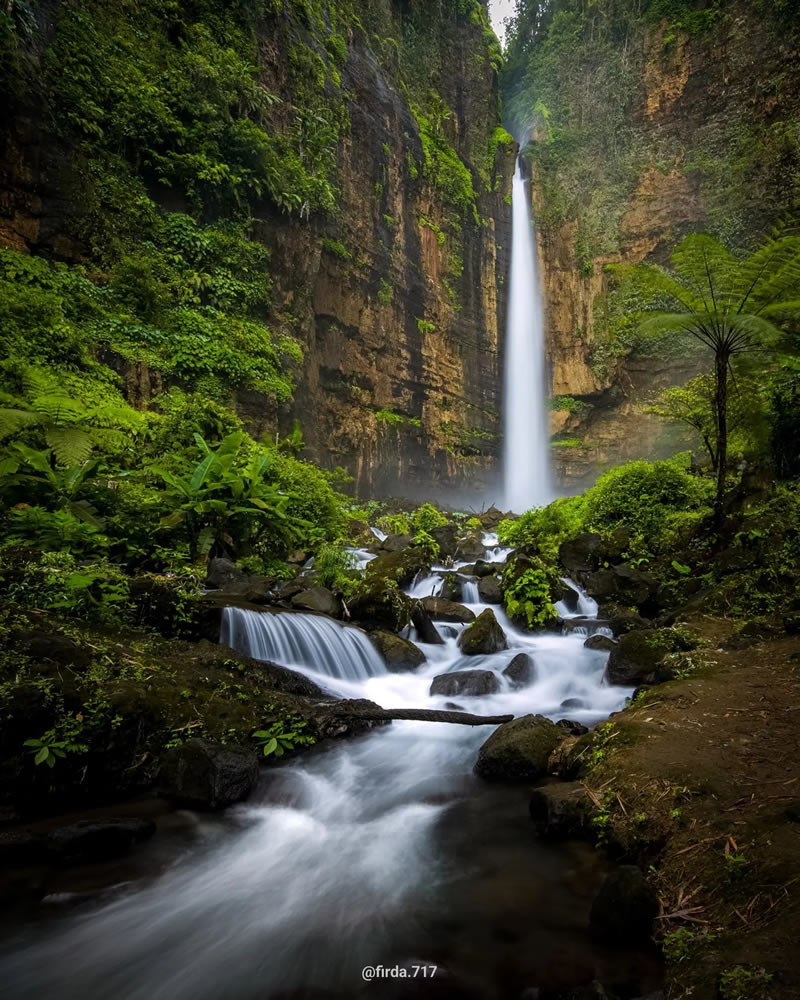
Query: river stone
[396,543]
[207,775]
[292,588]
[518,750]
[483,568]
[483,636]
[318,599]
[465,682]
[624,909]
[600,642]
[446,537]
[561,811]
[572,728]
[520,671]
[452,587]
[400,566]
[471,547]
[573,703]
[442,610]
[222,573]
[639,657]
[99,839]
[399,654]
[489,590]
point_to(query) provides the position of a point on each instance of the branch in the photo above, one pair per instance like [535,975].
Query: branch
[428,715]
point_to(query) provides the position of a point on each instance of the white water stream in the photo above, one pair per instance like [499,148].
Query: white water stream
[338,861]
[527,448]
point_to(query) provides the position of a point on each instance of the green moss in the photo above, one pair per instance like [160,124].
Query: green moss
[336,249]
[424,326]
[385,293]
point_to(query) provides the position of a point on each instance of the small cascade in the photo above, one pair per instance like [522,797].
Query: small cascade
[469,592]
[426,586]
[586,606]
[380,535]
[307,642]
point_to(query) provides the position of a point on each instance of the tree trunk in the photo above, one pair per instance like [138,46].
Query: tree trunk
[429,715]
[721,362]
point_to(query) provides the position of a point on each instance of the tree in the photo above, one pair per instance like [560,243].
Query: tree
[733,305]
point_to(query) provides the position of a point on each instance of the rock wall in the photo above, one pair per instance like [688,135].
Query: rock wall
[712,132]
[395,294]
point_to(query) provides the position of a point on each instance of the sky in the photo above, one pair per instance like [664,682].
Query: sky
[499,10]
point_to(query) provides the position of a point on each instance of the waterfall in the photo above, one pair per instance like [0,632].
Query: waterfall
[309,642]
[527,463]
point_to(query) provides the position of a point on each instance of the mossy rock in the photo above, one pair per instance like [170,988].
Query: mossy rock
[442,610]
[398,653]
[380,604]
[646,656]
[401,566]
[519,750]
[485,635]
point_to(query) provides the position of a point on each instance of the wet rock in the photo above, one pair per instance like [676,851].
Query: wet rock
[465,682]
[53,647]
[208,775]
[483,636]
[622,583]
[401,566]
[600,642]
[580,555]
[360,532]
[621,620]
[561,811]
[453,706]
[396,543]
[446,538]
[489,590]
[452,587]
[520,671]
[399,654]
[292,588]
[572,728]
[442,610]
[624,909]
[426,630]
[573,703]
[582,622]
[99,840]
[318,599]
[350,717]
[518,750]
[639,657]
[222,573]
[471,546]
[483,568]
[378,603]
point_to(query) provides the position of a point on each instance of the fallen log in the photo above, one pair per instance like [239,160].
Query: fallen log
[431,715]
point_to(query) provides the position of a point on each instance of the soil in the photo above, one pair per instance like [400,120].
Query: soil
[700,783]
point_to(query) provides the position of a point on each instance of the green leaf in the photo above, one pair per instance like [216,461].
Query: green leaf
[271,747]
[42,756]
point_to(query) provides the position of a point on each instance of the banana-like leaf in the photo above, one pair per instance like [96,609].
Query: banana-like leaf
[85,512]
[173,520]
[200,473]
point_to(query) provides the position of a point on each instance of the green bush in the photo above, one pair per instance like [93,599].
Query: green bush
[427,517]
[528,597]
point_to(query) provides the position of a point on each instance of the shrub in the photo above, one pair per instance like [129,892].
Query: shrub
[528,597]
[427,517]
[335,567]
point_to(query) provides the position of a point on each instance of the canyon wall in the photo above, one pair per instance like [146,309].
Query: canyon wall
[386,264]
[643,128]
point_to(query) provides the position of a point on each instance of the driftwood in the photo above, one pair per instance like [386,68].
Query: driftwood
[431,715]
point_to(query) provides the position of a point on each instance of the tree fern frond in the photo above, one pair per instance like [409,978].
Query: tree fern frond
[12,421]
[71,445]
[59,408]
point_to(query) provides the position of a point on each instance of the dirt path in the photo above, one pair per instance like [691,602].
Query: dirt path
[701,780]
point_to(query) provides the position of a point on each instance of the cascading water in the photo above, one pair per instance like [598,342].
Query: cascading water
[527,462]
[385,849]
[297,640]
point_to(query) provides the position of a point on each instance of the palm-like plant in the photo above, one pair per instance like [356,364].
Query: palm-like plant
[71,428]
[732,305]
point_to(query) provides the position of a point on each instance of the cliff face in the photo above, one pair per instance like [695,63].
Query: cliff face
[644,129]
[379,189]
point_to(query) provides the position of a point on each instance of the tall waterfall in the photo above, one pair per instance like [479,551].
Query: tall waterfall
[527,462]
[310,642]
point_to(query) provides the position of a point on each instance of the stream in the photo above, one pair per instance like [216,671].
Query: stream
[384,849]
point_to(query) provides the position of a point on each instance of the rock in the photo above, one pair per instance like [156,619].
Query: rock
[489,590]
[561,811]
[396,543]
[360,531]
[624,909]
[446,538]
[222,573]
[623,583]
[483,568]
[639,658]
[572,728]
[452,587]
[318,599]
[600,642]
[292,588]
[378,603]
[23,848]
[399,654]
[442,610]
[573,703]
[453,706]
[483,636]
[520,671]
[580,555]
[581,621]
[401,566]
[208,775]
[52,646]
[426,630]
[621,620]
[100,839]
[298,558]
[471,546]
[465,682]
[518,750]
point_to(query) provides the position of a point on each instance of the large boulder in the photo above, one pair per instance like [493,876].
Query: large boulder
[561,811]
[401,566]
[208,775]
[520,671]
[490,591]
[318,599]
[99,839]
[399,654]
[640,657]
[601,643]
[580,555]
[465,682]
[446,537]
[624,909]
[442,610]
[380,603]
[519,750]
[423,623]
[624,584]
[483,568]
[485,635]
[222,573]
[452,587]
[471,546]
[395,543]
